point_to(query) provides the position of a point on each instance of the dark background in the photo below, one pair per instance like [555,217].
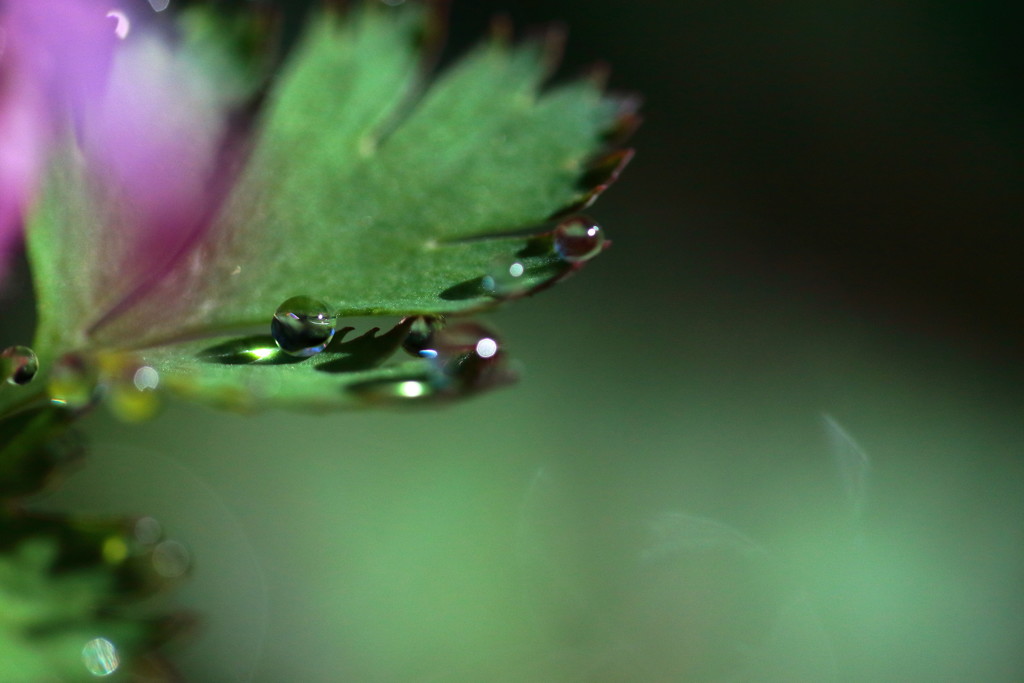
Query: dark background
[866,154]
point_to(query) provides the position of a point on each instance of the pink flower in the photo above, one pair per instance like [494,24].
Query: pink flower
[145,120]
[21,142]
[154,146]
[54,56]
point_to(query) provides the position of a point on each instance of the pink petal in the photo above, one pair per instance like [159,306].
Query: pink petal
[148,120]
[53,54]
[21,142]
[153,141]
[155,137]
[64,45]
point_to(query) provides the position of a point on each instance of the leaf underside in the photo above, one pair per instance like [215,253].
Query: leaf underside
[363,187]
[249,372]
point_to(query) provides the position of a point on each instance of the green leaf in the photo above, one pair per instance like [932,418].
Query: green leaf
[34,445]
[66,585]
[363,187]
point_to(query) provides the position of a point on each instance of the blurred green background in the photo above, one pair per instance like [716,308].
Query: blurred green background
[823,218]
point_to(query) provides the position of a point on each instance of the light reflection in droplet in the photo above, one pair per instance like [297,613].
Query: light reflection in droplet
[486,347]
[170,559]
[260,353]
[412,389]
[159,5]
[100,657]
[123,25]
[146,378]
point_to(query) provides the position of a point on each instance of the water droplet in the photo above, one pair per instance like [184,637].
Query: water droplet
[73,382]
[578,239]
[100,657]
[303,326]
[420,337]
[464,357]
[461,338]
[170,559]
[159,5]
[469,356]
[19,364]
[504,277]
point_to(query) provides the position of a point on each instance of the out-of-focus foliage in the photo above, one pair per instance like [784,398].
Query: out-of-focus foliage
[70,596]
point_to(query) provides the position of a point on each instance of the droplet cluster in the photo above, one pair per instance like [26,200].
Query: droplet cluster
[465,355]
